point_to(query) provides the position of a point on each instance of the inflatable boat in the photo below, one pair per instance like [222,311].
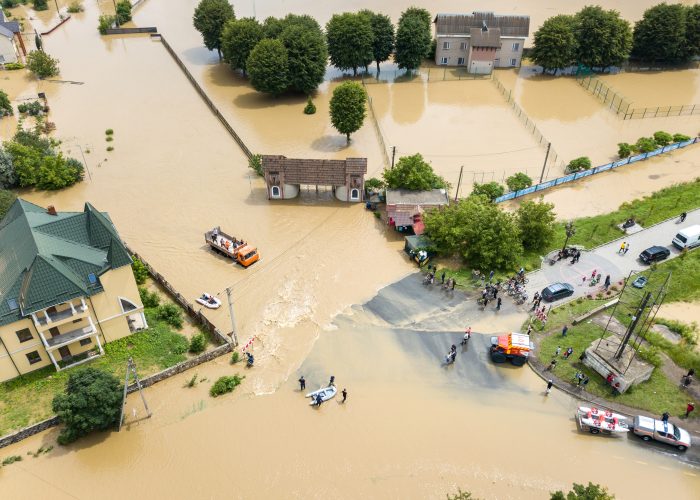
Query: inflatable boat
[209,301]
[326,393]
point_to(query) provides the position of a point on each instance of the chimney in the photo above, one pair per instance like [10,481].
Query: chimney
[51,210]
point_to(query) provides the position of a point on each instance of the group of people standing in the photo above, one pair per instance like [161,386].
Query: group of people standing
[318,400]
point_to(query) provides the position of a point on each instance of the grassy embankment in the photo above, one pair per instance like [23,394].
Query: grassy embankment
[660,393]
[27,399]
[600,229]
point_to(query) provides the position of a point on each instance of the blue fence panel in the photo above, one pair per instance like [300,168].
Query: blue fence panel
[505,197]
[528,190]
[565,179]
[621,162]
[585,173]
[686,143]
[654,153]
[603,168]
[671,147]
[638,157]
[546,185]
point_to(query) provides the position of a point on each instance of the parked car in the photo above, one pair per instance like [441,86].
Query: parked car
[654,254]
[687,238]
[557,291]
[650,429]
[640,282]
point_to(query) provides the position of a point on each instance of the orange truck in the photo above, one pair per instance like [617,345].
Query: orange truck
[238,250]
[513,347]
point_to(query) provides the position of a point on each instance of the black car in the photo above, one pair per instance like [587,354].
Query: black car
[557,291]
[654,254]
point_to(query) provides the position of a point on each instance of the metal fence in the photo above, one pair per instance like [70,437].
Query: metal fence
[421,75]
[615,102]
[553,160]
[378,130]
[587,173]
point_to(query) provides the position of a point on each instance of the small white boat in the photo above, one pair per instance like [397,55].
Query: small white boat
[597,420]
[209,301]
[326,393]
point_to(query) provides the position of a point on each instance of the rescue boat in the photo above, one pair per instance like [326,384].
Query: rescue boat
[209,301]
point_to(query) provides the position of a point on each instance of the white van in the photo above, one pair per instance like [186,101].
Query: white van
[687,238]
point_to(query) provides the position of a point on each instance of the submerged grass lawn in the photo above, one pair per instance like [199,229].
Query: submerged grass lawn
[27,399]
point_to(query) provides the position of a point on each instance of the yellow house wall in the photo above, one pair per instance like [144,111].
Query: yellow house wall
[116,283]
[18,350]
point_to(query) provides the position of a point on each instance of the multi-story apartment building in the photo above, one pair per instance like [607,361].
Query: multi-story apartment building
[480,41]
[66,288]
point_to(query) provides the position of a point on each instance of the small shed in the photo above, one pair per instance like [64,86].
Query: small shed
[284,176]
[405,208]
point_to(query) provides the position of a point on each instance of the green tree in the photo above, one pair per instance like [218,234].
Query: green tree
[660,36]
[624,149]
[581,492]
[140,271]
[490,190]
[42,64]
[198,343]
[603,38]
[692,34]
[348,108]
[413,40]
[273,27]
[645,144]
[92,401]
[350,41]
[8,178]
[40,5]
[536,223]
[55,172]
[306,55]
[419,13]
[555,44]
[662,138]
[239,38]
[478,230]
[26,161]
[374,184]
[267,67]
[413,173]
[579,164]
[382,36]
[209,19]
[123,11]
[5,105]
[518,181]
[7,198]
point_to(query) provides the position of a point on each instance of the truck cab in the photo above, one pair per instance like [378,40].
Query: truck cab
[247,255]
[513,347]
[650,429]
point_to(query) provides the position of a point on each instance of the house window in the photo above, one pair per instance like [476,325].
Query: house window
[513,62]
[460,61]
[446,45]
[275,192]
[516,46]
[24,335]
[86,342]
[443,60]
[33,357]
[127,305]
[12,304]
[355,194]
[463,46]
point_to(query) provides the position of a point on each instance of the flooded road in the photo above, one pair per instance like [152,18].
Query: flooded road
[410,428]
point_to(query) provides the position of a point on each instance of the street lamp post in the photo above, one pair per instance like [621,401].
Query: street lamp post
[570,231]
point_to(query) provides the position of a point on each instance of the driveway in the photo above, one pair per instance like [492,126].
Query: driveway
[605,259]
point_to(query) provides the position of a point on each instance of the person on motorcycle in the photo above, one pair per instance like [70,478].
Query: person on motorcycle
[467,335]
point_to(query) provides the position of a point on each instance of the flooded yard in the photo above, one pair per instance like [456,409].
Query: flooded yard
[657,88]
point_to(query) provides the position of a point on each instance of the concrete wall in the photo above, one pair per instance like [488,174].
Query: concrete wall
[503,55]
[506,52]
[106,308]
[7,49]
[18,350]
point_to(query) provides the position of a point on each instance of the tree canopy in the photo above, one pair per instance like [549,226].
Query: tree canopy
[348,108]
[382,36]
[478,230]
[603,38]
[413,173]
[5,105]
[581,492]
[555,43]
[123,12]
[413,38]
[7,198]
[536,222]
[490,190]
[693,28]
[267,67]
[307,56]
[92,401]
[350,41]
[209,19]
[660,36]
[518,181]
[42,64]
[238,39]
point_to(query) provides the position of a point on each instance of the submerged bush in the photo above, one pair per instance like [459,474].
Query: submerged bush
[579,164]
[104,23]
[149,299]
[255,162]
[310,107]
[140,271]
[75,7]
[171,314]
[624,149]
[198,343]
[225,384]
[662,138]
[676,137]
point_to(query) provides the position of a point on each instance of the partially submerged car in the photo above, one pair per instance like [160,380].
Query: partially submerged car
[651,429]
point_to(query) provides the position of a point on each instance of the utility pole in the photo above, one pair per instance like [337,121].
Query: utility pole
[546,157]
[131,369]
[459,182]
[393,155]
[633,325]
[570,231]
[233,317]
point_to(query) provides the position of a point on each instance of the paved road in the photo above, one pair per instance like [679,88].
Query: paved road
[606,259]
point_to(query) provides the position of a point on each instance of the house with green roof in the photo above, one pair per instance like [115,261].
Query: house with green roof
[66,288]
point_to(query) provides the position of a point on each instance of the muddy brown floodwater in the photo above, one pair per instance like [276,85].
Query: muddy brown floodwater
[410,428]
